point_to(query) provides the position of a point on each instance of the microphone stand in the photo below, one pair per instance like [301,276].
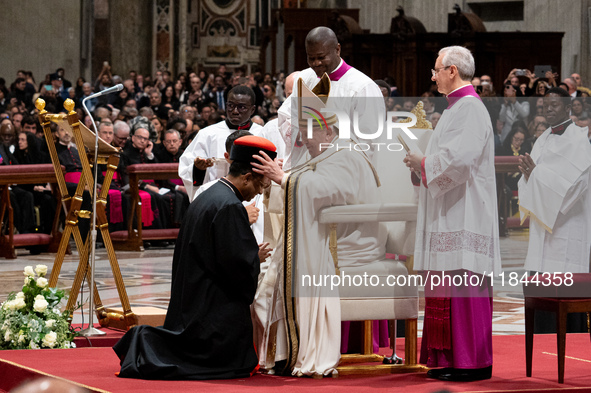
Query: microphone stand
[91,330]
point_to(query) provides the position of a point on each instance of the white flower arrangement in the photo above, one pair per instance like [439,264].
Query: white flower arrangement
[41,270]
[32,318]
[29,272]
[42,282]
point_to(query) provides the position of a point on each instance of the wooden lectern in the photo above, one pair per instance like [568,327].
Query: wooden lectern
[84,140]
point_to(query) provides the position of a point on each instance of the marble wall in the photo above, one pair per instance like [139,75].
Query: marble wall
[568,16]
[131,33]
[40,36]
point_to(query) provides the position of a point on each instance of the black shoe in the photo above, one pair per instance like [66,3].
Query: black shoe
[436,372]
[36,250]
[159,243]
[467,375]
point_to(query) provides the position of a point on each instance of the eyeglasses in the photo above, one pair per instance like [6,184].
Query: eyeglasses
[516,139]
[241,107]
[436,70]
[141,138]
[171,142]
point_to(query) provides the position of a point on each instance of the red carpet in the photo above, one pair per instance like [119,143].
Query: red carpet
[96,367]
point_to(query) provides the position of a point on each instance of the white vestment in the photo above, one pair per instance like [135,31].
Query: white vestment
[333,178]
[556,195]
[271,132]
[258,226]
[353,93]
[457,222]
[210,142]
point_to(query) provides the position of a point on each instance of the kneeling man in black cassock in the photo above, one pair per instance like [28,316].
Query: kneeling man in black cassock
[207,333]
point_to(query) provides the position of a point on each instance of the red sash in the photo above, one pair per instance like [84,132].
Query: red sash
[115,210]
[73,177]
[115,206]
[147,213]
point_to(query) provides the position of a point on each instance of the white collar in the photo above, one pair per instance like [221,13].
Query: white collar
[339,66]
[566,121]
[461,87]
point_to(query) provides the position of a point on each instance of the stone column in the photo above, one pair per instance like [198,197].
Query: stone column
[183,41]
[131,36]
[163,41]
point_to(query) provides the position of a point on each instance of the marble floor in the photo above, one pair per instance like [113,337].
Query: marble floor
[147,277]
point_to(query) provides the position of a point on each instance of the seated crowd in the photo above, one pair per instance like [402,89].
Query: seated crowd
[154,118]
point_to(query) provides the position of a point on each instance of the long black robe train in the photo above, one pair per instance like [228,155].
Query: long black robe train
[207,333]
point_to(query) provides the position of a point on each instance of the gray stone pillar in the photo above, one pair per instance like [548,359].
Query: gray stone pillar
[183,40]
[131,36]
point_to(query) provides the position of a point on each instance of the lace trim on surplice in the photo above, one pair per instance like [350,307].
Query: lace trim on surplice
[444,182]
[458,241]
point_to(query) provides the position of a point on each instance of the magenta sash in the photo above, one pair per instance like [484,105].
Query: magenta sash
[72,177]
[178,182]
[147,213]
[115,210]
[115,206]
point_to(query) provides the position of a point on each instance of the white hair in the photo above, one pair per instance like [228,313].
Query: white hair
[172,131]
[460,57]
[120,125]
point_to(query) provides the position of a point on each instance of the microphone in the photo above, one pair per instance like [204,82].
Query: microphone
[110,90]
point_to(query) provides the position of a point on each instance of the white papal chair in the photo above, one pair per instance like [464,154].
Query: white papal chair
[398,214]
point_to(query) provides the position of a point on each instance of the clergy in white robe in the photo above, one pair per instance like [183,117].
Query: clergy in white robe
[457,225]
[554,193]
[210,143]
[351,91]
[308,334]
[332,178]
[271,132]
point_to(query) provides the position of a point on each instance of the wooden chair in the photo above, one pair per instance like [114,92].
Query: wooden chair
[561,300]
[26,174]
[398,213]
[133,238]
